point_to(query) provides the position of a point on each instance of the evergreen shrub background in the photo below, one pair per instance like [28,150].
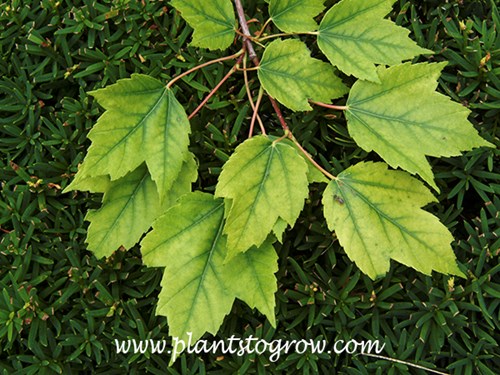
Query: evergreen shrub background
[61,308]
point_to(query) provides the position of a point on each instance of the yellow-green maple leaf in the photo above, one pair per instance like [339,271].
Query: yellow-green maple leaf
[376,214]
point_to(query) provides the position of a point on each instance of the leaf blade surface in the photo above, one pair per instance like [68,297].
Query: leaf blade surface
[130,205]
[376,214]
[198,286]
[195,296]
[143,122]
[402,126]
[295,16]
[354,36]
[253,279]
[290,75]
[213,22]
[265,180]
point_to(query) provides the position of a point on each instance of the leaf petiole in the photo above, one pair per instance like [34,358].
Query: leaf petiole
[216,88]
[253,56]
[331,106]
[249,69]
[271,36]
[249,37]
[310,158]
[249,94]
[264,27]
[197,67]
[255,114]
[286,135]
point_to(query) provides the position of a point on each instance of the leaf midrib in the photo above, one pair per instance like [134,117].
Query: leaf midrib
[403,120]
[202,277]
[286,9]
[386,142]
[362,39]
[392,88]
[260,187]
[382,214]
[294,78]
[193,223]
[352,16]
[134,128]
[356,227]
[219,21]
[130,198]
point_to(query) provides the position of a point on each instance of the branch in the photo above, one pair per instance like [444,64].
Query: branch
[255,59]
[279,114]
[256,62]
[246,31]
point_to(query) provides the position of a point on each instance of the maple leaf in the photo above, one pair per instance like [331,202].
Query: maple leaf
[290,75]
[96,184]
[213,21]
[295,16]
[195,293]
[253,278]
[130,205]
[354,36]
[279,229]
[143,122]
[376,214]
[265,180]
[378,120]
[198,286]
